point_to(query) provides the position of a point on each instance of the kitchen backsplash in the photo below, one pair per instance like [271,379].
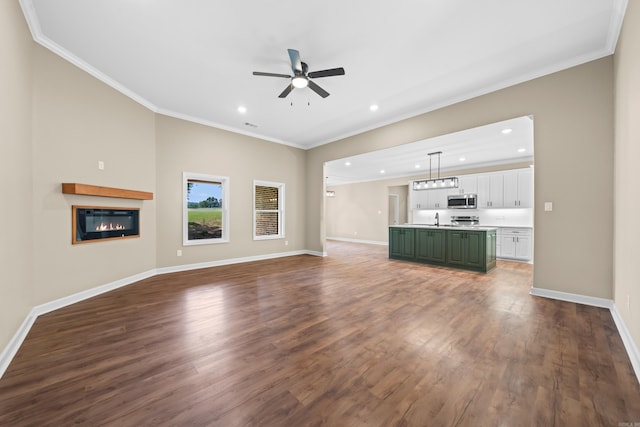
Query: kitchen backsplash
[488,217]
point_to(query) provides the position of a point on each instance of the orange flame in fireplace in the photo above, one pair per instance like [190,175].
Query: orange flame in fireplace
[108,227]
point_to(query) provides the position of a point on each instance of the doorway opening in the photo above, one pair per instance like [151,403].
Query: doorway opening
[494,162]
[394,209]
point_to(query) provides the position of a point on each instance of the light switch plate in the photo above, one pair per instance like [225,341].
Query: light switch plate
[548,206]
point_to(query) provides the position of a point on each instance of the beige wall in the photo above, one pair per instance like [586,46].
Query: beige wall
[402,196]
[188,147]
[56,123]
[359,211]
[627,172]
[56,120]
[78,121]
[573,130]
[16,266]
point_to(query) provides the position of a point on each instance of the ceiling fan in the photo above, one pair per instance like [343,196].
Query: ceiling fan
[301,78]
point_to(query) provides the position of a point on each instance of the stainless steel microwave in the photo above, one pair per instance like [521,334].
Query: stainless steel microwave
[462,201]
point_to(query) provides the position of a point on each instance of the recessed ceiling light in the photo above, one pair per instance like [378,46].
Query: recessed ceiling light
[382,171]
[242,109]
[506,131]
[347,163]
[417,166]
[373,107]
[462,159]
[521,150]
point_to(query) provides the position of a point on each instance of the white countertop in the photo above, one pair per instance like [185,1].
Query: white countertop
[511,226]
[446,227]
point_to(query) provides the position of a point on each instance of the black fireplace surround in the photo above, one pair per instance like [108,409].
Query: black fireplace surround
[96,223]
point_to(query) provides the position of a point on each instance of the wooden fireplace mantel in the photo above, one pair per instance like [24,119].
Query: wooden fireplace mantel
[94,190]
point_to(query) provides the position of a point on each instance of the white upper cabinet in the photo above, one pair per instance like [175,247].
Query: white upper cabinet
[491,190]
[419,198]
[467,184]
[518,189]
[504,189]
[428,199]
[437,199]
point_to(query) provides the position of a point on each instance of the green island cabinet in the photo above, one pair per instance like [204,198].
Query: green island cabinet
[401,243]
[452,247]
[431,245]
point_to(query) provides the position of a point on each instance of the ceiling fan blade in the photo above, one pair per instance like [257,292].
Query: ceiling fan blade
[296,64]
[317,89]
[286,92]
[327,73]
[260,73]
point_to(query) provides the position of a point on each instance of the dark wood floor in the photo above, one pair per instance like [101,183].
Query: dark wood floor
[353,339]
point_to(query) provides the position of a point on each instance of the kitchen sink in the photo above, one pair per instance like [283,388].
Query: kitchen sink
[451,225]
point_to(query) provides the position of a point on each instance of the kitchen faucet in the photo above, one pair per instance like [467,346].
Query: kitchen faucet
[437,219]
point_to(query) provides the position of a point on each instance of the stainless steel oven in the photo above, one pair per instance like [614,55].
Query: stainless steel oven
[465,220]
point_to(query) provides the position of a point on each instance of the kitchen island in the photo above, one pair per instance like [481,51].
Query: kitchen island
[467,247]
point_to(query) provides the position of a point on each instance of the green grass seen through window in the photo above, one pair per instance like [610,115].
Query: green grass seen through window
[206,216]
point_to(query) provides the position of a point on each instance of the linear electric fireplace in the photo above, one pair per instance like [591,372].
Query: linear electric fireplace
[93,223]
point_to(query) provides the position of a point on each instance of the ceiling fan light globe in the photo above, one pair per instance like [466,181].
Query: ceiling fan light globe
[299,82]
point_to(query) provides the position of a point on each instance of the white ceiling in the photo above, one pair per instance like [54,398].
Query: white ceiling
[193,59]
[506,142]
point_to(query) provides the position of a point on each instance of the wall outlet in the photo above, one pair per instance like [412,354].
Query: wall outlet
[286,243]
[100,165]
[355,233]
[179,252]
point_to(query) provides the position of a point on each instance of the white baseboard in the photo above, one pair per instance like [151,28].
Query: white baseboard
[632,349]
[9,352]
[627,340]
[569,297]
[12,348]
[523,261]
[317,253]
[368,242]
[89,293]
[196,266]
[14,344]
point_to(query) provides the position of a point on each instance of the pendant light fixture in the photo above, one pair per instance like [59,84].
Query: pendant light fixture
[435,183]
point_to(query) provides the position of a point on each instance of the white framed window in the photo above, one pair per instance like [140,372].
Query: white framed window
[205,204]
[268,210]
